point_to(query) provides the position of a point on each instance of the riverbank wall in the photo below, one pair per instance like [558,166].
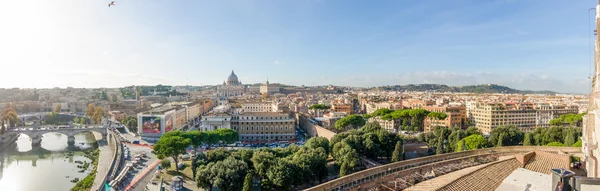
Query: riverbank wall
[8,141]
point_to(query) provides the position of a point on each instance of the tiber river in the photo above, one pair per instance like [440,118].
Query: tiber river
[49,167]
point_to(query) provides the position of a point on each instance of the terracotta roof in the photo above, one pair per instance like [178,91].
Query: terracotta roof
[441,181]
[491,176]
[488,178]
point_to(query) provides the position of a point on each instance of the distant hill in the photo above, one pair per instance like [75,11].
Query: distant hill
[484,88]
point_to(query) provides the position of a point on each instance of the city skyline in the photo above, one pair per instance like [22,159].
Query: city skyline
[533,45]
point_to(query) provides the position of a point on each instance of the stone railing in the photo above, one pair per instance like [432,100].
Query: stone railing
[352,180]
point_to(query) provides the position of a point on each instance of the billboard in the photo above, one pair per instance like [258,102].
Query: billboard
[169,120]
[151,124]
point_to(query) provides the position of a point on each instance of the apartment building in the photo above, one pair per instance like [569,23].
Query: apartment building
[264,126]
[417,104]
[390,126]
[370,108]
[490,115]
[341,107]
[456,116]
[547,112]
[259,107]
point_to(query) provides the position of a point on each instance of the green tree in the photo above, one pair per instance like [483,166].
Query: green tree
[262,161]
[553,134]
[165,163]
[352,121]
[346,156]
[130,122]
[370,127]
[529,140]
[196,137]
[319,107]
[472,130]
[171,146]
[247,182]
[227,175]
[397,155]
[227,135]
[310,163]
[577,144]
[283,174]
[556,122]
[501,140]
[475,141]
[316,142]
[569,136]
[76,120]
[344,169]
[104,96]
[512,136]
[555,144]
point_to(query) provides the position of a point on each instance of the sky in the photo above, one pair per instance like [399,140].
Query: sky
[533,44]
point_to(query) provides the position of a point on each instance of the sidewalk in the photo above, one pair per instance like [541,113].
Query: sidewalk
[104,161]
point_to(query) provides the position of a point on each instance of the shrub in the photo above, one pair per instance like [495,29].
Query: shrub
[555,144]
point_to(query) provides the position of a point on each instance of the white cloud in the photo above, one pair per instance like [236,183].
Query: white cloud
[521,32]
[276,62]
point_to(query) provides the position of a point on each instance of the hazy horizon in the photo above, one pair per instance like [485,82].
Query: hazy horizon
[525,45]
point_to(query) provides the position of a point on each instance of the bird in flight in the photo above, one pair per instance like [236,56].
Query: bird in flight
[111,3]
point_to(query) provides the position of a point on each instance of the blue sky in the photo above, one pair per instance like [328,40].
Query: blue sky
[531,44]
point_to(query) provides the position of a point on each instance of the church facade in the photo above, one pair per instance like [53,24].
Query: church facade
[231,87]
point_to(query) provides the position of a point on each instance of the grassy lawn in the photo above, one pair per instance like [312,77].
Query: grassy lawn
[186,173]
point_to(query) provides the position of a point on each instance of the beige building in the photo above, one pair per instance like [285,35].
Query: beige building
[269,88]
[264,126]
[116,115]
[456,116]
[490,115]
[341,107]
[259,107]
[591,122]
[180,117]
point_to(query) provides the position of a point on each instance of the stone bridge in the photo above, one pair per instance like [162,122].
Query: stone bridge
[36,133]
[38,116]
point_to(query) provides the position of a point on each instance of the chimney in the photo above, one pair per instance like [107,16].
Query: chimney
[561,179]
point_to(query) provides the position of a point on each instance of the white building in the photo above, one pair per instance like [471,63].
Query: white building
[231,87]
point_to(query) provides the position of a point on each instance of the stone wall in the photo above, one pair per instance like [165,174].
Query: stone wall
[312,129]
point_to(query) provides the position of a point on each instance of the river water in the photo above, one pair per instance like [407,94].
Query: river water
[49,167]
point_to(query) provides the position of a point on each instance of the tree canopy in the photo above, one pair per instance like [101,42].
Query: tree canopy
[352,121]
[472,142]
[319,107]
[318,142]
[570,118]
[506,136]
[277,168]
[227,175]
[171,146]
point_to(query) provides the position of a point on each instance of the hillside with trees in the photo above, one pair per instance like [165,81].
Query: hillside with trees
[483,88]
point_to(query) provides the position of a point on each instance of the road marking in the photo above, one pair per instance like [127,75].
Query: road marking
[150,168]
